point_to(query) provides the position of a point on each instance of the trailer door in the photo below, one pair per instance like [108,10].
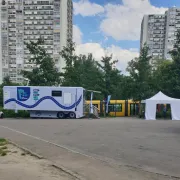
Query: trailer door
[69,97]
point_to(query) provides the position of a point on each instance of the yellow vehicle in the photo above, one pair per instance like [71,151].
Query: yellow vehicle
[118,108]
[133,108]
[96,103]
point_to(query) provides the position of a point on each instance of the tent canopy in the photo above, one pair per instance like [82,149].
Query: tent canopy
[160,98]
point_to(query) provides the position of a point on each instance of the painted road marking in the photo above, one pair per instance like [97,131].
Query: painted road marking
[46,141]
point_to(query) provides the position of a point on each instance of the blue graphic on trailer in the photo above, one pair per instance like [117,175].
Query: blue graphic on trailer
[45,98]
[23,93]
[35,94]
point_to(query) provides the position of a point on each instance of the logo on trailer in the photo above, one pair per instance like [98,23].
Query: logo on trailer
[23,93]
[36,94]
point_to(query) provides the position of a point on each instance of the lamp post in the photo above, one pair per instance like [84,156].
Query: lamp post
[92,92]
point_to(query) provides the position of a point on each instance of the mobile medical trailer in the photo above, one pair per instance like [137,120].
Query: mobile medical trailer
[46,102]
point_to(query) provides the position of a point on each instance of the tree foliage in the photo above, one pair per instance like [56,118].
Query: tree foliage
[85,71]
[80,70]
[44,73]
[171,73]
[166,77]
[110,76]
[140,72]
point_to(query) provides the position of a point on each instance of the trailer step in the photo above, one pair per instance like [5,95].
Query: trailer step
[91,112]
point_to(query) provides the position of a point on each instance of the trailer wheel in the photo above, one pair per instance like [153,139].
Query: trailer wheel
[72,115]
[60,115]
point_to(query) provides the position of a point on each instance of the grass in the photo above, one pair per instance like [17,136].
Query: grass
[3,148]
[3,142]
[3,153]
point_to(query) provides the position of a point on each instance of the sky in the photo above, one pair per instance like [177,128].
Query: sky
[113,26]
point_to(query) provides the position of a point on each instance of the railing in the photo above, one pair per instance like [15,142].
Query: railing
[91,110]
[95,111]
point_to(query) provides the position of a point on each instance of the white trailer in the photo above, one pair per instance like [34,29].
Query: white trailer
[46,102]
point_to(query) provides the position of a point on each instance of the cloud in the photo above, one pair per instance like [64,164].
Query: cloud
[123,22]
[86,8]
[97,49]
[77,34]
[94,48]
[123,55]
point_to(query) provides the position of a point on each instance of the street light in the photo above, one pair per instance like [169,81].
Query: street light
[91,109]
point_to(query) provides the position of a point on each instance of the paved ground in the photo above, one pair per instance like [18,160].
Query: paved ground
[18,165]
[153,146]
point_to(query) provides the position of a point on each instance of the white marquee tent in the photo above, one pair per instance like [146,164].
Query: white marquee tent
[160,98]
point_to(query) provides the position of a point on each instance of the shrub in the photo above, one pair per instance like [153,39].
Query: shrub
[159,114]
[3,153]
[2,142]
[168,114]
[12,114]
[4,147]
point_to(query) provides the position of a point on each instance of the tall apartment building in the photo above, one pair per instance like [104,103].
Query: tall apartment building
[159,32]
[27,20]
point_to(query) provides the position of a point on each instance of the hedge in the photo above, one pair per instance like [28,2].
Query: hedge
[12,114]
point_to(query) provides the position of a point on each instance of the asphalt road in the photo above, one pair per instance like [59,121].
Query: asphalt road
[151,145]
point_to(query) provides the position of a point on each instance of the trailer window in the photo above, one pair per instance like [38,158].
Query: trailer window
[57,93]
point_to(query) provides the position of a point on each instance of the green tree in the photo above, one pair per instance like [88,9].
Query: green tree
[81,70]
[140,71]
[126,88]
[171,72]
[156,63]
[44,73]
[166,76]
[68,53]
[85,71]
[162,77]
[110,76]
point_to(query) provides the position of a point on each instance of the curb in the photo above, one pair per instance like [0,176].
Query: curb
[71,173]
[26,150]
[61,168]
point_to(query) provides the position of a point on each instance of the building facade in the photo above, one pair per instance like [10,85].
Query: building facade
[159,31]
[27,20]
[172,26]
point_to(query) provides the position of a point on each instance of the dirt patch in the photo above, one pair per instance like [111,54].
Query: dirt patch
[18,165]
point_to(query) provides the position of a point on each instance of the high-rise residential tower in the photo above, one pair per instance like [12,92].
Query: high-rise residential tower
[159,31]
[27,20]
